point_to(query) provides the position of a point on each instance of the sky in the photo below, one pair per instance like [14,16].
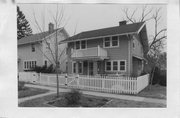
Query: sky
[84,17]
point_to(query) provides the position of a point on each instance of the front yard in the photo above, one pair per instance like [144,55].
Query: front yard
[156,91]
[87,101]
[28,91]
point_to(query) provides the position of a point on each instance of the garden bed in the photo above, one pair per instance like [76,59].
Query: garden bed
[28,91]
[85,101]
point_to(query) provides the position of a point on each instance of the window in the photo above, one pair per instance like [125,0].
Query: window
[108,66]
[29,64]
[48,45]
[114,41]
[107,42]
[80,45]
[83,44]
[115,65]
[45,63]
[80,67]
[122,65]
[77,44]
[111,41]
[33,48]
[74,67]
[133,43]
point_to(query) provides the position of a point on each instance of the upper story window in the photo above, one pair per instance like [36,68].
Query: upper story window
[33,48]
[83,44]
[77,44]
[111,42]
[114,41]
[80,44]
[107,42]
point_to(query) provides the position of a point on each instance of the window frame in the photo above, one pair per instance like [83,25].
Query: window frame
[118,66]
[80,45]
[124,65]
[33,48]
[111,46]
[29,64]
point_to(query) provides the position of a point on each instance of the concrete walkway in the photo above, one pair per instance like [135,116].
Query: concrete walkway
[99,94]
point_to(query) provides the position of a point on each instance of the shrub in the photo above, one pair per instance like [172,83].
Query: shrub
[44,69]
[21,85]
[73,97]
[159,77]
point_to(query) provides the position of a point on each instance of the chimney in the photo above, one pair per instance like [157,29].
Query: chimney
[122,23]
[51,27]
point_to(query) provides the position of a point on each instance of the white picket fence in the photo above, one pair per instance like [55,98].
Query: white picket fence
[128,85]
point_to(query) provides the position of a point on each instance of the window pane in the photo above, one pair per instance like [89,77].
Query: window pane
[83,44]
[108,65]
[77,45]
[107,42]
[122,65]
[33,47]
[25,64]
[115,65]
[114,41]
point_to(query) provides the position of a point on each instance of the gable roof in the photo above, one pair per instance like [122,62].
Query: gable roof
[117,30]
[37,37]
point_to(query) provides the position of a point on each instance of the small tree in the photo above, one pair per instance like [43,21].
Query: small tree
[23,26]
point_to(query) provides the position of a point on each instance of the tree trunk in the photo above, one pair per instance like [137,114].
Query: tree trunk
[152,76]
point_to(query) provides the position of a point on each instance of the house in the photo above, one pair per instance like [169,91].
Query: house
[37,49]
[113,50]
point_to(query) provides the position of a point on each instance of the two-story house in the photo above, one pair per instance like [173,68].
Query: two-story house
[37,49]
[113,50]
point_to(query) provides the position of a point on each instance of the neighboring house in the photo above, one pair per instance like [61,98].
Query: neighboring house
[34,50]
[113,50]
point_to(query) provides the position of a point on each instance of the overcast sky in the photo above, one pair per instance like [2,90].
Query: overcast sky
[88,16]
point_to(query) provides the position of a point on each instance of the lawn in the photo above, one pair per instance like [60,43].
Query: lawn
[27,91]
[89,101]
[156,91]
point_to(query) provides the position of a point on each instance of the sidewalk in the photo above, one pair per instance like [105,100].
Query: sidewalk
[100,94]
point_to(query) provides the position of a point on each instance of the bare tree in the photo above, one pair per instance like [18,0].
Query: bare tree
[156,42]
[55,52]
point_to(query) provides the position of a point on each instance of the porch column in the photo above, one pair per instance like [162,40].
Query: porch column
[142,67]
[95,69]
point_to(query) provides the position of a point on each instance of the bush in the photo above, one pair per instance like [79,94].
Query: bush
[21,85]
[44,69]
[73,97]
[159,77]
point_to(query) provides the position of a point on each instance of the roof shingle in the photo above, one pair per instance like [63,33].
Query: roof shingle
[124,29]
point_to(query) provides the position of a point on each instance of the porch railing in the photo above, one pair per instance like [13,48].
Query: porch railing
[89,52]
[128,85]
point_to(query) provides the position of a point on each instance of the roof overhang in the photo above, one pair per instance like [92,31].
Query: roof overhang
[92,58]
[129,33]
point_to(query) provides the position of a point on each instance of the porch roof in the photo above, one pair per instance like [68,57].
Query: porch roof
[92,58]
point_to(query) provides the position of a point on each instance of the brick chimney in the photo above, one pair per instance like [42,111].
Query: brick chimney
[51,27]
[122,23]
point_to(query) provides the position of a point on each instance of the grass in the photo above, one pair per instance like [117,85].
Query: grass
[156,91]
[85,101]
[28,91]
[132,104]
[89,101]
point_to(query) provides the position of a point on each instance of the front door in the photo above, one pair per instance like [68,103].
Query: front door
[90,68]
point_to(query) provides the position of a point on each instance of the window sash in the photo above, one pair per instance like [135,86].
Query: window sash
[115,65]
[77,44]
[74,67]
[107,42]
[122,65]
[108,66]
[114,41]
[83,44]
[33,48]
[79,67]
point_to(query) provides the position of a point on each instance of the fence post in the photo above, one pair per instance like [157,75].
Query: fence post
[40,78]
[66,80]
[103,83]
[77,80]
